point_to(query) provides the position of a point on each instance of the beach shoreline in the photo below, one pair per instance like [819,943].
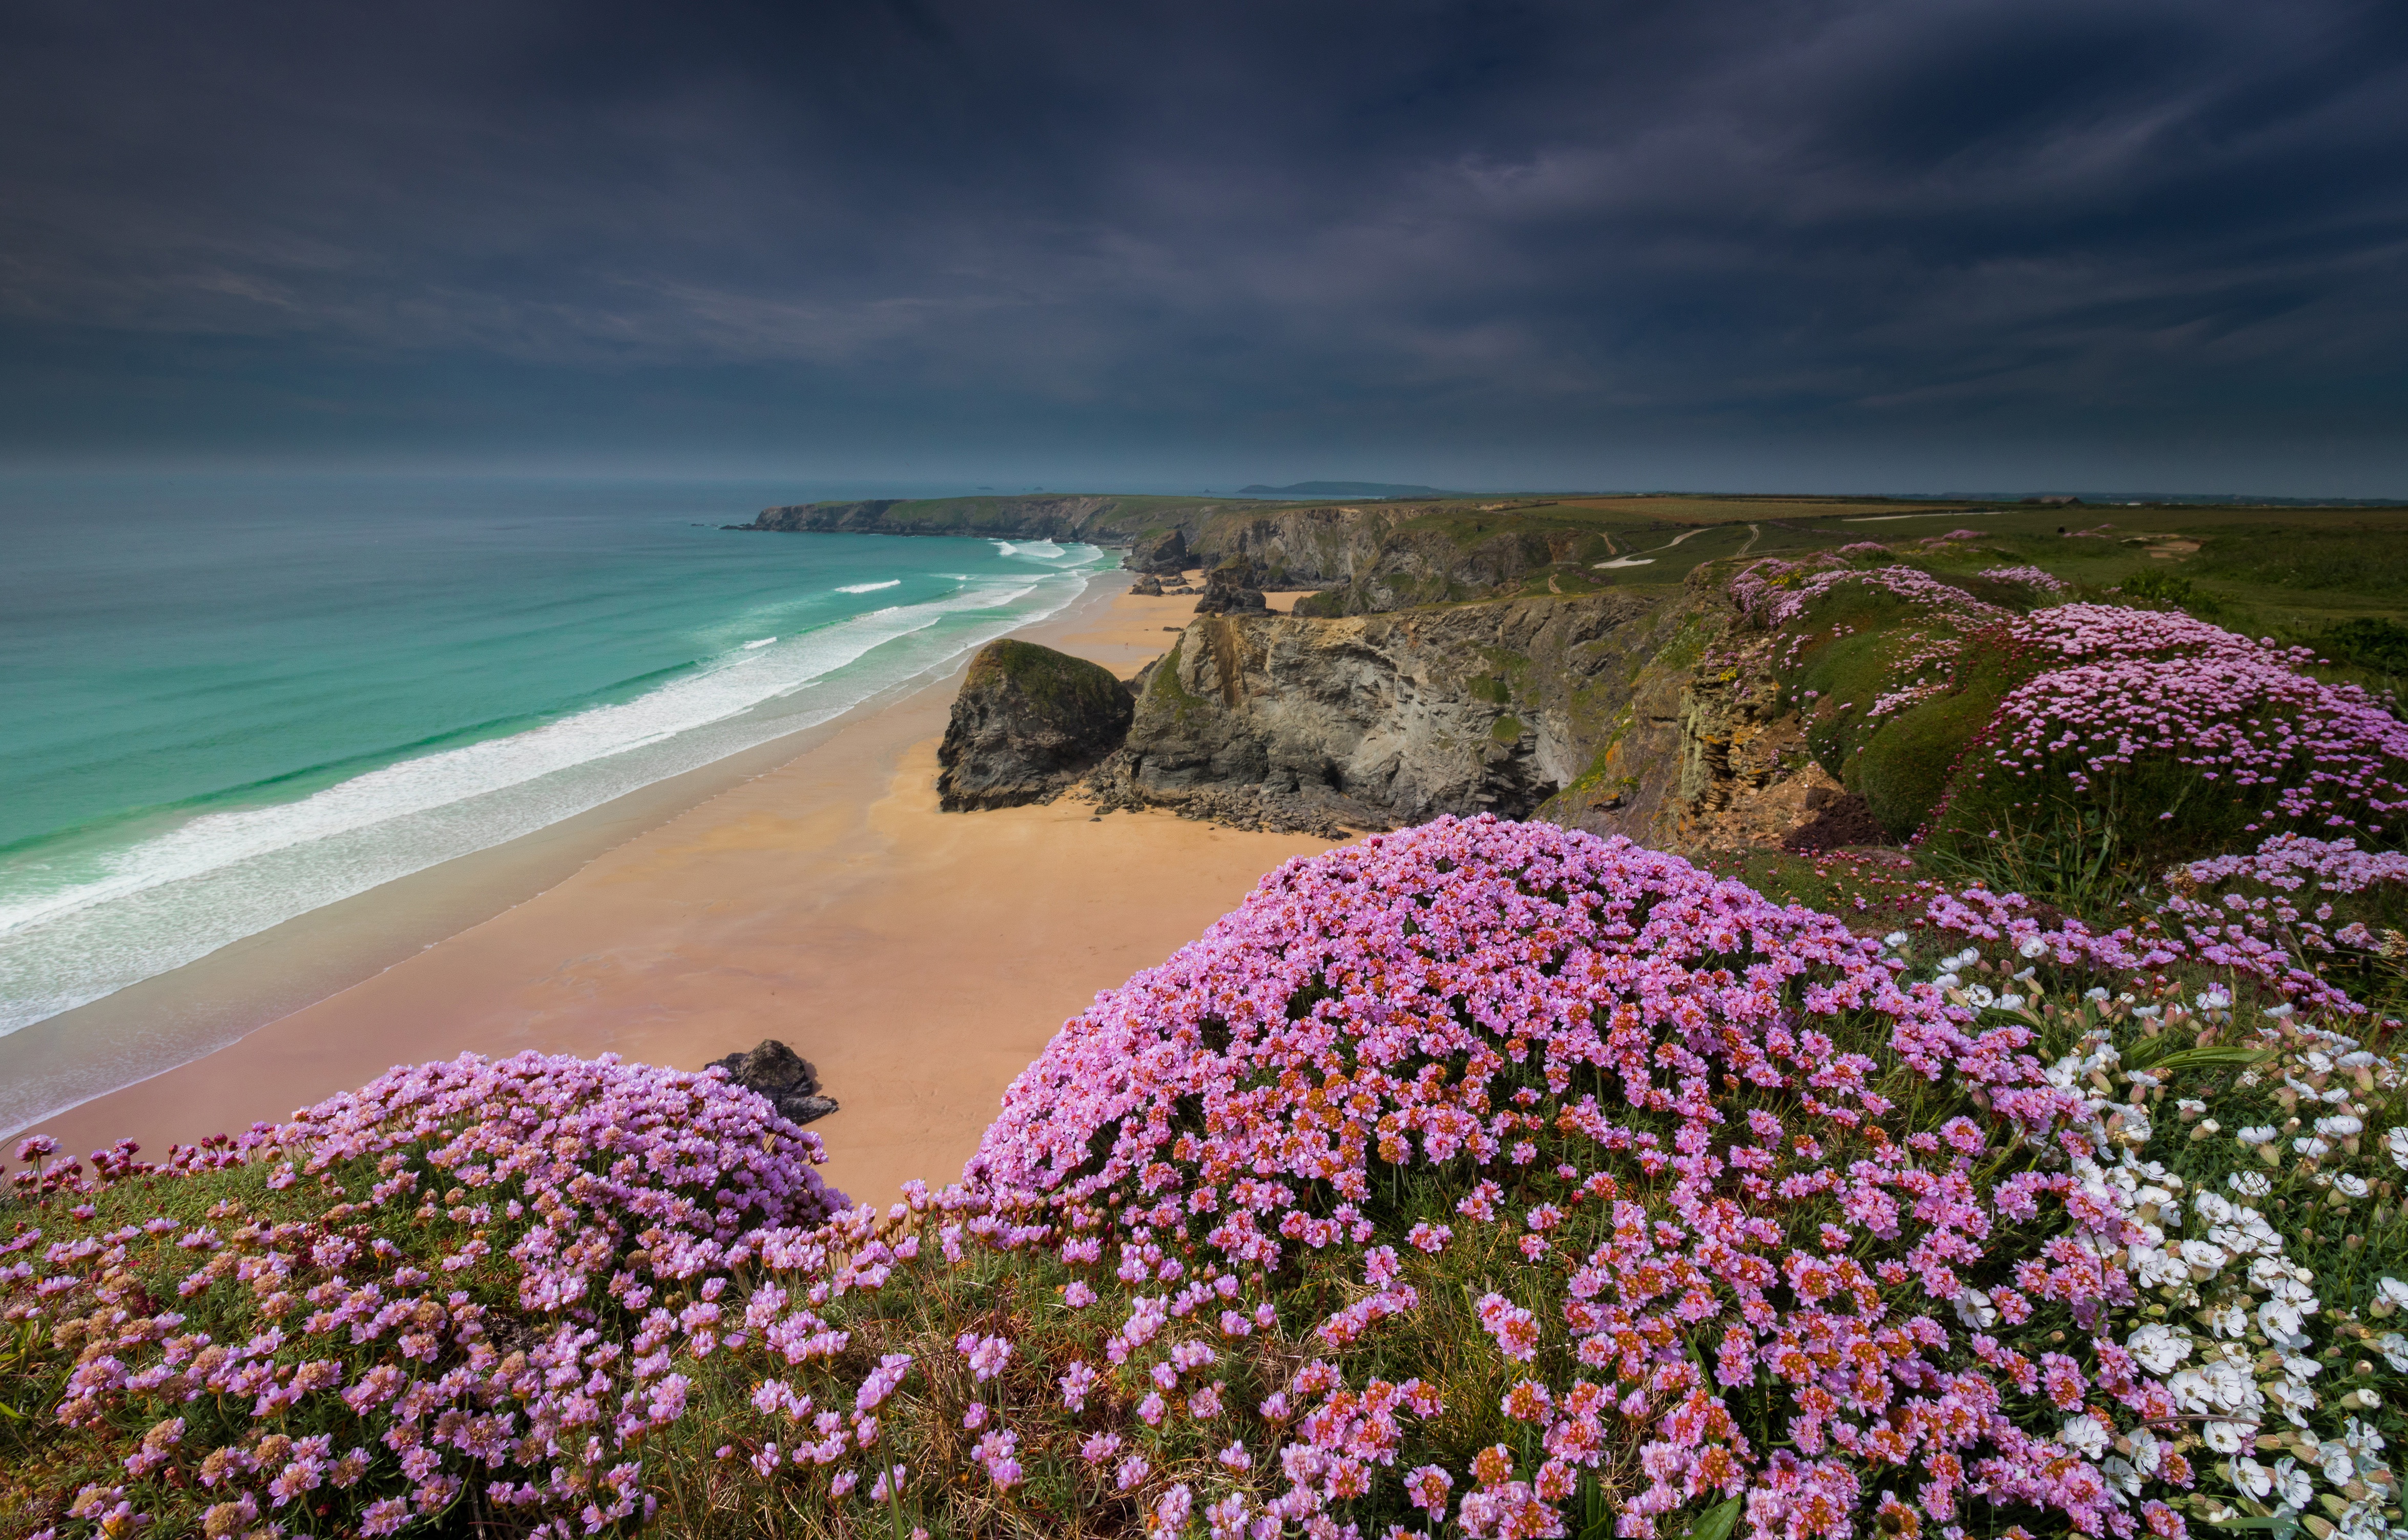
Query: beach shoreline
[791,891]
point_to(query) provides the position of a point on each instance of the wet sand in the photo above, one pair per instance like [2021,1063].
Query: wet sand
[920,959]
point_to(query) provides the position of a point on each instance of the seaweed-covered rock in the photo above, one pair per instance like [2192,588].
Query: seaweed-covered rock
[1028,722]
[785,1077]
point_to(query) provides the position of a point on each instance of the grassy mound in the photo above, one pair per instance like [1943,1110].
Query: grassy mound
[2069,748]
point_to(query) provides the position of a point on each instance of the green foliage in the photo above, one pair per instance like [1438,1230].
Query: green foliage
[2380,646]
[1903,770]
[1899,761]
[2365,559]
[2156,586]
[1045,676]
[1506,729]
[1164,688]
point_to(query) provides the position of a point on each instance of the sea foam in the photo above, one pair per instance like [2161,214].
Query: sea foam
[223,876]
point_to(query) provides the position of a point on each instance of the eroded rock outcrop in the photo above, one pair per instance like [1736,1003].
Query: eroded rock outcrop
[1230,589]
[1028,722]
[783,1076]
[1703,753]
[1648,716]
[1164,554]
[1377,721]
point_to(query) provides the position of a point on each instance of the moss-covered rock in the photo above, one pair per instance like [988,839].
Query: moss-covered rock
[1028,722]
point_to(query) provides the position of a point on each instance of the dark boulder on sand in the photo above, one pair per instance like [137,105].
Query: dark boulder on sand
[1231,589]
[1165,552]
[783,1076]
[1028,722]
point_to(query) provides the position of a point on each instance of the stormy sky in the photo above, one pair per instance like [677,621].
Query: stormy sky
[1891,245]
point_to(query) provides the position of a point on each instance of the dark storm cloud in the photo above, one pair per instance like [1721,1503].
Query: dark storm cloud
[1870,244]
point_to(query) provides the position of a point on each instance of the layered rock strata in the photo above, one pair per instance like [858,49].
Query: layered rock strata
[1377,721]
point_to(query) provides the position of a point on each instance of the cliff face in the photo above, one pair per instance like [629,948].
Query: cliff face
[1616,713]
[1387,719]
[1364,554]
[1078,518]
[1701,752]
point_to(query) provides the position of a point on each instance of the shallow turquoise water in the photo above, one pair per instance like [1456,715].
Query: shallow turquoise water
[225,702]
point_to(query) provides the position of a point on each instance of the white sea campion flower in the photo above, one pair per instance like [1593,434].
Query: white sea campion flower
[1896,939]
[2292,1488]
[1973,1307]
[2251,1184]
[2087,1433]
[2252,1478]
[2394,1349]
[2033,947]
[2158,1348]
[2258,1135]
[2397,1142]
[2348,1186]
[2392,1291]
[2338,1126]
[2338,1466]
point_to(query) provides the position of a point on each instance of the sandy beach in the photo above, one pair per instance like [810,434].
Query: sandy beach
[920,959]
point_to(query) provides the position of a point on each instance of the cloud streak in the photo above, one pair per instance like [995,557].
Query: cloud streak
[1624,243]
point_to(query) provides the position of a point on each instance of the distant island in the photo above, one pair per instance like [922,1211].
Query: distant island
[1340,489]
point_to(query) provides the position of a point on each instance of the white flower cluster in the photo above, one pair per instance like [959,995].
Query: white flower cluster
[2233,1324]
[2246,1364]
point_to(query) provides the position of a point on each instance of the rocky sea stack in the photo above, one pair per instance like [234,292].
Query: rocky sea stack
[1028,722]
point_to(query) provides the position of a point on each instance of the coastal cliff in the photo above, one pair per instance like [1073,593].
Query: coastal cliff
[1374,721]
[1622,713]
[1368,558]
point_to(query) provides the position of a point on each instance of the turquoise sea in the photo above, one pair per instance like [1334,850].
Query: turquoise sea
[227,701]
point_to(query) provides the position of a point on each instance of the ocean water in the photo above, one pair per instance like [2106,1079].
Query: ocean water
[226,702]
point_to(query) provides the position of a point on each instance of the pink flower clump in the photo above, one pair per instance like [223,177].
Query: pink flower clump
[575,1191]
[2030,577]
[1775,591]
[2290,747]
[1739,1267]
